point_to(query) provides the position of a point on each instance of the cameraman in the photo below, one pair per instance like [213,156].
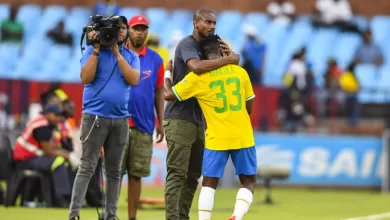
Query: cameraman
[107,74]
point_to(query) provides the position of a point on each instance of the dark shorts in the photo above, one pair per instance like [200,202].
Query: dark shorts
[137,156]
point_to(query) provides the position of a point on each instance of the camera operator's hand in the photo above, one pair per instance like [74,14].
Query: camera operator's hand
[115,50]
[93,36]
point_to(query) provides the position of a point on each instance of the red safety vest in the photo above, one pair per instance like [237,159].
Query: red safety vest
[62,133]
[26,146]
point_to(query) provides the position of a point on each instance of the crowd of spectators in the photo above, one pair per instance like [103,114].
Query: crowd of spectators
[340,86]
[298,74]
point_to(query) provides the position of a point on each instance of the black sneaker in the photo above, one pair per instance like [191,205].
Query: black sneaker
[75,218]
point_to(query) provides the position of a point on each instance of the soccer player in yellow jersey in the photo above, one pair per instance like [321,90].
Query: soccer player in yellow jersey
[225,96]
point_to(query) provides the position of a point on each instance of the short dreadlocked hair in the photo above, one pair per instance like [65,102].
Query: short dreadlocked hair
[210,45]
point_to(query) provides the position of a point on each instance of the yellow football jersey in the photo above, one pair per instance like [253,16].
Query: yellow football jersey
[222,95]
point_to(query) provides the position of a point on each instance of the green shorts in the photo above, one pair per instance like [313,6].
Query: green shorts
[137,155]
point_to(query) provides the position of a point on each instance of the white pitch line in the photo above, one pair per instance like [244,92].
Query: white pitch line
[372,217]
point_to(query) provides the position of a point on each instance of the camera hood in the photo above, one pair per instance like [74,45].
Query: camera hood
[123,18]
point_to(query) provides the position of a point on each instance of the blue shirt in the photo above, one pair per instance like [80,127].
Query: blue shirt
[254,51]
[142,96]
[112,100]
[368,53]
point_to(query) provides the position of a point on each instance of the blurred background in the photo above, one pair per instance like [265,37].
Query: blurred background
[320,71]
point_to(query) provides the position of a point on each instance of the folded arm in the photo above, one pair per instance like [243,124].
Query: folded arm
[44,136]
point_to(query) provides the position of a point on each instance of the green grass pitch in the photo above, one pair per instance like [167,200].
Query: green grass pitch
[290,204]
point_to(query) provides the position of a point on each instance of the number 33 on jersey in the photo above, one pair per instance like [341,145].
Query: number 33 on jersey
[222,95]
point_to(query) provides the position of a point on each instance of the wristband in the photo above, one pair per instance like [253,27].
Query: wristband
[167,74]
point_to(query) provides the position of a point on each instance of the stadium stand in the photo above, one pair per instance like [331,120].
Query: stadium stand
[281,42]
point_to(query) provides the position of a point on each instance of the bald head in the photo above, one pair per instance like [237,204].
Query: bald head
[202,12]
[204,23]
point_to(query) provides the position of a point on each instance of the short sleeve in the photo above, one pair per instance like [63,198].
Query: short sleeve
[187,88]
[43,133]
[87,53]
[160,76]
[249,94]
[188,51]
[135,63]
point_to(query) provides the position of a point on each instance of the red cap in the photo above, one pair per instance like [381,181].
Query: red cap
[138,20]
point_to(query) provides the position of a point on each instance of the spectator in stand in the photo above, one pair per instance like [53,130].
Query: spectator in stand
[300,72]
[327,99]
[60,36]
[332,75]
[154,43]
[369,52]
[334,14]
[253,55]
[281,12]
[107,8]
[350,85]
[11,29]
[294,100]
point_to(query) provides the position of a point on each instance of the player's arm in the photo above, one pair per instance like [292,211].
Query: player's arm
[249,105]
[203,66]
[249,94]
[168,92]
[183,90]
[191,57]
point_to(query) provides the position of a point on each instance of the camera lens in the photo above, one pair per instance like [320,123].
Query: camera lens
[108,36]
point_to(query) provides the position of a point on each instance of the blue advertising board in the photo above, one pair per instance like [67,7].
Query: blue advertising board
[313,159]
[324,160]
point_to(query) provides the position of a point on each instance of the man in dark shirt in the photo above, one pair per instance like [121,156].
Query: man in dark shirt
[184,127]
[60,36]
